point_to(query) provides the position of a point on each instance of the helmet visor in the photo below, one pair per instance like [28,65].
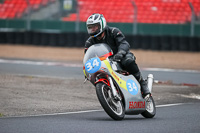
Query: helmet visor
[93,29]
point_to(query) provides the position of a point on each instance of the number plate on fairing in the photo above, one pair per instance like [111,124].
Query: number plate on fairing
[93,65]
[132,87]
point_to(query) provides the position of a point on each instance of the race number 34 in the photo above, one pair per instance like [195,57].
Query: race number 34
[93,65]
[132,87]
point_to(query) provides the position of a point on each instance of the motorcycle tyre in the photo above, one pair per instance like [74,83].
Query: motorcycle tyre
[105,105]
[148,114]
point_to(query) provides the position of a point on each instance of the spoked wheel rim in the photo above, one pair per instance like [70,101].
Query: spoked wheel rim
[150,106]
[115,106]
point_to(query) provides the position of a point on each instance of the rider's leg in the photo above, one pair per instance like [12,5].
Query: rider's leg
[130,65]
[143,83]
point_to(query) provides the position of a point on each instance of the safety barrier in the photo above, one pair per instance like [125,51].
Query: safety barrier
[73,39]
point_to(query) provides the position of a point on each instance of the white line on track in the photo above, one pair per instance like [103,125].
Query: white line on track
[80,65]
[168,105]
[171,70]
[86,111]
[67,113]
[40,63]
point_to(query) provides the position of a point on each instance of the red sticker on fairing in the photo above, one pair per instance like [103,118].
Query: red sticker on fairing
[136,105]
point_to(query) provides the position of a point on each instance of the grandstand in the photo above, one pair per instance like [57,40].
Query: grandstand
[119,11]
[11,9]
[149,11]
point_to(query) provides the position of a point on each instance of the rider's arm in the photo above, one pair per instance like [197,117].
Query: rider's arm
[121,43]
[88,43]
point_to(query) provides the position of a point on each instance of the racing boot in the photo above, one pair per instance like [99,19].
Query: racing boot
[144,88]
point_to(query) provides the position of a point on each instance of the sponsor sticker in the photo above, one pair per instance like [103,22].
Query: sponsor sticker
[116,77]
[93,65]
[136,105]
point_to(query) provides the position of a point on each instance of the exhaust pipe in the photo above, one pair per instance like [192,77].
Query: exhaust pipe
[150,82]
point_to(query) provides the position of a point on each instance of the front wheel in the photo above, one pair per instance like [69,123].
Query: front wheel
[114,108]
[150,111]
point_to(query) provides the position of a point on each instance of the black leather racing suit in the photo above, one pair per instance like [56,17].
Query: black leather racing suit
[116,40]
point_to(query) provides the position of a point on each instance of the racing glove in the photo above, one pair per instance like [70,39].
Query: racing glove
[119,55]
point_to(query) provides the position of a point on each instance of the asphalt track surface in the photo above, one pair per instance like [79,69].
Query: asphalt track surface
[181,118]
[68,70]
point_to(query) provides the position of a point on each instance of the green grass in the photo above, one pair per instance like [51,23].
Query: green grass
[1,115]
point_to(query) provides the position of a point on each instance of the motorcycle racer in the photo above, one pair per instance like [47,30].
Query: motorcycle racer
[100,32]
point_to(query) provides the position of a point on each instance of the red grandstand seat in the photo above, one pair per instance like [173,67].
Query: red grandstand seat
[149,11]
[15,8]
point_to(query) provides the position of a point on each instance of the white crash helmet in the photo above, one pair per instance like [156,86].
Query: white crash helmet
[98,21]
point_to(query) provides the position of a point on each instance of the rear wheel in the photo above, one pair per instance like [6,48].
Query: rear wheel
[151,108]
[114,108]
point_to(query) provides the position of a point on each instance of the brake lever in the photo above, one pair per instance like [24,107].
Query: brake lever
[118,60]
[111,60]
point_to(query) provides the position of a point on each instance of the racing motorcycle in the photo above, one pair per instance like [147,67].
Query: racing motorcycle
[118,92]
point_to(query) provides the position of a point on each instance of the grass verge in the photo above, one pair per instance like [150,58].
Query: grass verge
[1,115]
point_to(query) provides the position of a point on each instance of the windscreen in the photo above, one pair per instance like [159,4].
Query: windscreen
[96,50]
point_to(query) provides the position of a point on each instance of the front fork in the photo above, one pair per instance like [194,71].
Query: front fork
[110,83]
[113,89]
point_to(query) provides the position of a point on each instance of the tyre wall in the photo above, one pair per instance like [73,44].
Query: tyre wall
[73,39]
